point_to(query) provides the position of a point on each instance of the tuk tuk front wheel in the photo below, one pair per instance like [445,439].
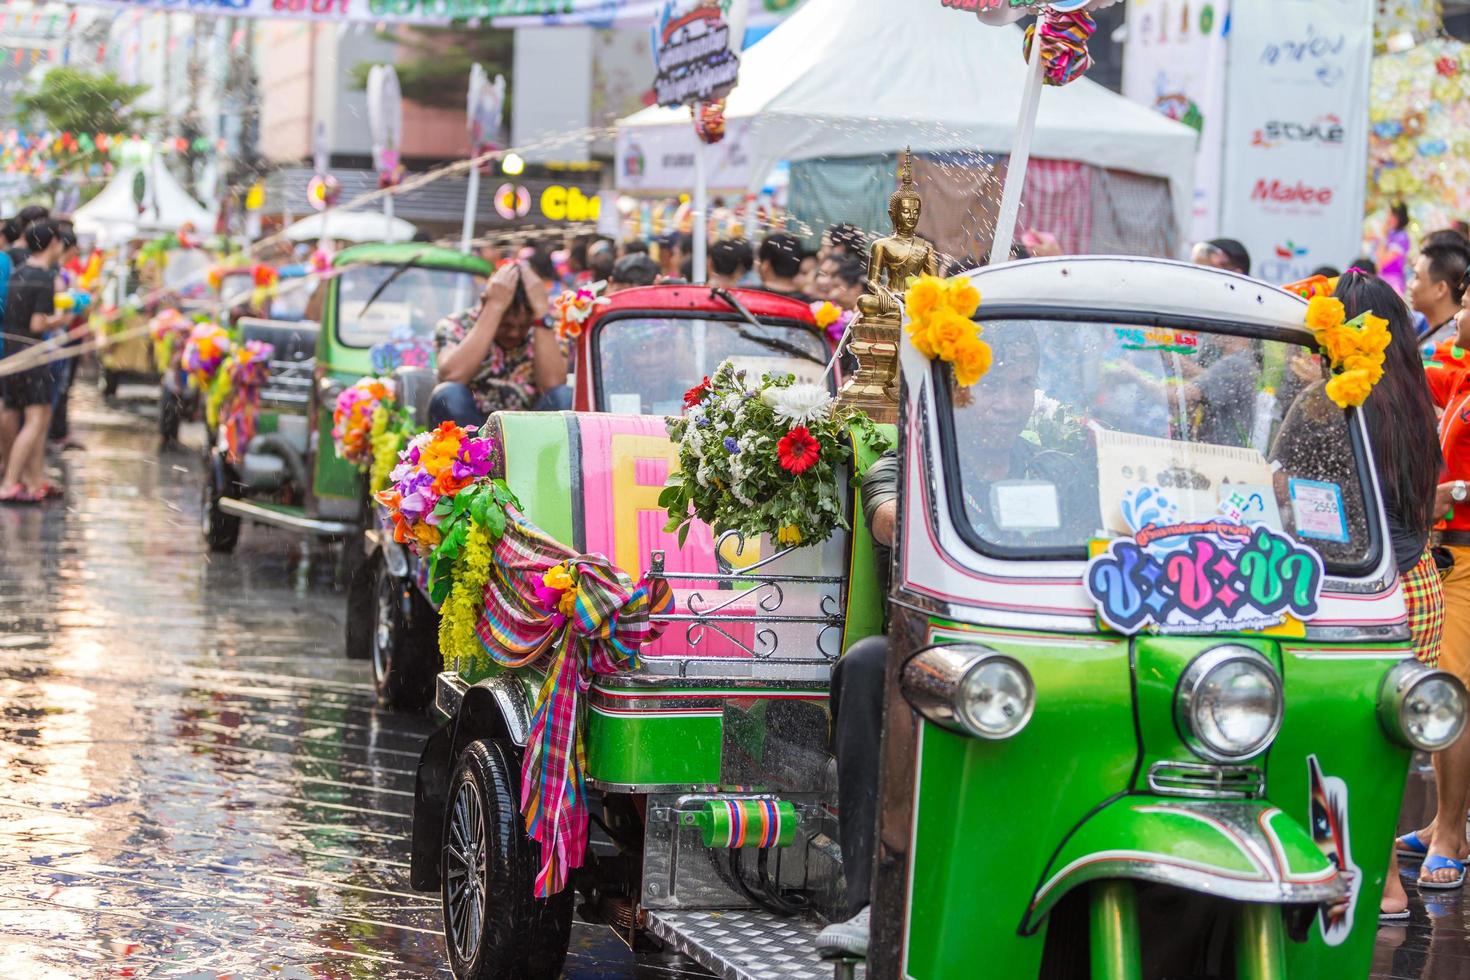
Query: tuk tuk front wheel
[494,926]
[221,530]
[404,646]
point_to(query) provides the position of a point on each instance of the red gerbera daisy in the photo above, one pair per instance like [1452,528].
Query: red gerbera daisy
[696,394]
[798,450]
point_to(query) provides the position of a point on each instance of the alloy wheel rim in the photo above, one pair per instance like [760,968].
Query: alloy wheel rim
[383,628]
[464,872]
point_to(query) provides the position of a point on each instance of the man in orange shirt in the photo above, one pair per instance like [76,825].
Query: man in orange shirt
[1449,387]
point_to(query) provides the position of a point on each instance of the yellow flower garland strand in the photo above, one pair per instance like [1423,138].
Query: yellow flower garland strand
[461,611]
[940,325]
[1355,348]
[386,446]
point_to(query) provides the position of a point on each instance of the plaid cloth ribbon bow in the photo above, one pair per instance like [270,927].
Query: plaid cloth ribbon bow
[249,370]
[601,633]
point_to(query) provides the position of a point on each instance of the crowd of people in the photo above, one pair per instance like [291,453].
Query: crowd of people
[41,259]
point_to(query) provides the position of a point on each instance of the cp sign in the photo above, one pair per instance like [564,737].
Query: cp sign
[569,204]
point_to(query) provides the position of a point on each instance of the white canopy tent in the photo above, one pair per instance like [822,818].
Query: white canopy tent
[351,226]
[113,216]
[845,79]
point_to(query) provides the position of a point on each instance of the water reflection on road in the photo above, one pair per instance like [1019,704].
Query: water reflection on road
[193,781]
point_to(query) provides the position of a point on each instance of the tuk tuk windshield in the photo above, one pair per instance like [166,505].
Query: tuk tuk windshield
[413,300]
[1097,430]
[645,364]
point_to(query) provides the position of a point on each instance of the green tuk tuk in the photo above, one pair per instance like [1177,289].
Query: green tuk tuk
[1149,699]
[378,306]
[622,358]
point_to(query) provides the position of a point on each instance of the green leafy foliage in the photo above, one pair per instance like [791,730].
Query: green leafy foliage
[79,102]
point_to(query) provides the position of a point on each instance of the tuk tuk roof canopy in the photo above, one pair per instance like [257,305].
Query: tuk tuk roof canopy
[351,226]
[113,216]
[845,79]
[420,253]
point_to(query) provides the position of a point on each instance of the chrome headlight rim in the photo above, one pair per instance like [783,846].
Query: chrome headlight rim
[1186,695]
[1394,693]
[934,680]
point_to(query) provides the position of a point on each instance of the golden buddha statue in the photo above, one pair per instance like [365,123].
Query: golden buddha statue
[893,260]
[875,332]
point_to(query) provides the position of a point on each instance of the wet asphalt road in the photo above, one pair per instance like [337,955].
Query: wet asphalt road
[193,781]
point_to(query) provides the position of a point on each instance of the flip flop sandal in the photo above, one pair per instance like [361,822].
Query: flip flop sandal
[50,491]
[1438,862]
[1410,846]
[1392,918]
[20,497]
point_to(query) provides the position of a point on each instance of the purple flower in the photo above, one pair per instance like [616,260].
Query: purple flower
[731,446]
[474,459]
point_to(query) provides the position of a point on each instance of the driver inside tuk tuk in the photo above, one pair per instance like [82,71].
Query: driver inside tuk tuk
[501,355]
[993,451]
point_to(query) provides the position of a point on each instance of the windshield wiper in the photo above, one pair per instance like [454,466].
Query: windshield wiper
[408,263]
[770,343]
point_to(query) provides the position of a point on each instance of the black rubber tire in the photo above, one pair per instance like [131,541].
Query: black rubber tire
[521,937]
[221,530]
[359,626]
[403,645]
[170,414]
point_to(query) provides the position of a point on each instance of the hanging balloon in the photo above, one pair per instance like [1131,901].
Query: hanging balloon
[709,121]
[323,191]
[1064,56]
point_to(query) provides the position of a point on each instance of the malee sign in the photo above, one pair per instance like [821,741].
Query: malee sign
[1296,122]
[696,50]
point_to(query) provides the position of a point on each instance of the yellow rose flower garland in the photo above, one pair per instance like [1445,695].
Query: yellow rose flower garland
[458,615]
[1356,348]
[940,326]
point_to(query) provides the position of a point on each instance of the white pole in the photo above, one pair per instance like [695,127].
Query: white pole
[1010,198]
[701,226]
[471,207]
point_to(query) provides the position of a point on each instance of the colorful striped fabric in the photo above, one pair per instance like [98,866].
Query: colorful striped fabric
[603,635]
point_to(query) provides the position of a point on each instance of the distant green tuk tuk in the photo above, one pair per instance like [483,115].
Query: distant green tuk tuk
[378,307]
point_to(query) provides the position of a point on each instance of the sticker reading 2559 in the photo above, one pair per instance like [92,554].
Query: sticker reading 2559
[1318,510]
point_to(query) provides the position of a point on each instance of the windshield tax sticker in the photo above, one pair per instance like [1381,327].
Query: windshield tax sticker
[1209,577]
[1025,505]
[1318,510]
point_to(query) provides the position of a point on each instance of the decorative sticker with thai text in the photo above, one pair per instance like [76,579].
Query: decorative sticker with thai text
[1211,576]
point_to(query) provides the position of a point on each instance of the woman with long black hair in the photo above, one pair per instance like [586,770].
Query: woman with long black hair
[1402,431]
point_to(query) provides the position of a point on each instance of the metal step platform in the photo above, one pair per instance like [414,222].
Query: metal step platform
[744,944]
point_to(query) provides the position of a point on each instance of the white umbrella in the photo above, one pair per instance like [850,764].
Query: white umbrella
[351,226]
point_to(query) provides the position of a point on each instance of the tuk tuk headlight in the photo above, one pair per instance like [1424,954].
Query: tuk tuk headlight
[1228,704]
[970,689]
[1421,708]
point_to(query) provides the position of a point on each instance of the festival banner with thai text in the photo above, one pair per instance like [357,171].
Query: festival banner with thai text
[503,13]
[1296,129]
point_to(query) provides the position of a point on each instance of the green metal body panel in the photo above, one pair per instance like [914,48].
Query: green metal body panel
[1330,716]
[659,747]
[1101,822]
[864,591]
[1161,660]
[1140,835]
[969,850]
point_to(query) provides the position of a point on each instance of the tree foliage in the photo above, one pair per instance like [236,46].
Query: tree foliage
[76,101]
[437,72]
